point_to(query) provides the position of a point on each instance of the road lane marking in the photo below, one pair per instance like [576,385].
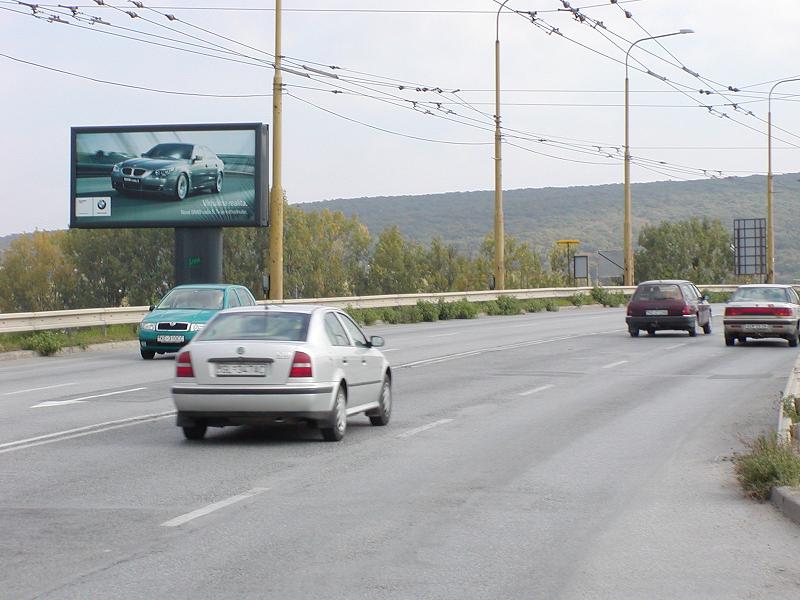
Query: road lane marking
[614,364]
[83,431]
[390,350]
[201,512]
[674,346]
[537,390]
[457,355]
[444,334]
[417,430]
[85,398]
[39,389]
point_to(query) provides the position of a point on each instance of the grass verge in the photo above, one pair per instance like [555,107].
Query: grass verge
[768,463]
[49,342]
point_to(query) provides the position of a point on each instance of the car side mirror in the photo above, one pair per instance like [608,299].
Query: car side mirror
[376,341]
[152,307]
[705,298]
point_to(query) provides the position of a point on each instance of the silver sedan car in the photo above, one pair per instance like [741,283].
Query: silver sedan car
[281,364]
[762,311]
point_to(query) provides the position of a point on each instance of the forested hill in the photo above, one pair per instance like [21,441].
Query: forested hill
[592,214]
[5,240]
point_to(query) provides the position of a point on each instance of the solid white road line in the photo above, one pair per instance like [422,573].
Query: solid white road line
[538,389]
[674,346]
[39,389]
[444,334]
[614,364]
[417,430]
[201,512]
[82,431]
[85,398]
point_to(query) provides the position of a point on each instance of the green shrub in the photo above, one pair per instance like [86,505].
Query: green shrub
[445,310]
[790,405]
[364,316]
[768,464]
[535,305]
[508,305]
[429,310]
[45,343]
[606,298]
[410,314]
[718,297]
[491,308]
[390,314]
[550,305]
[464,309]
[578,299]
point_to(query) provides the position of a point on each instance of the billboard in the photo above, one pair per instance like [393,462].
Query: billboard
[750,246]
[169,176]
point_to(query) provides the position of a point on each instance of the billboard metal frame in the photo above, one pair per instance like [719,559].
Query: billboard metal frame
[750,246]
[261,175]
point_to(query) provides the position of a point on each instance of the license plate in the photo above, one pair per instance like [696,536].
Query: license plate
[752,326]
[656,313]
[241,370]
[130,180]
[170,339]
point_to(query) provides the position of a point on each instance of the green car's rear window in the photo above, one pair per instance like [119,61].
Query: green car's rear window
[267,326]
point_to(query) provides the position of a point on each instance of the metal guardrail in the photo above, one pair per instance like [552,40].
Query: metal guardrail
[93,317]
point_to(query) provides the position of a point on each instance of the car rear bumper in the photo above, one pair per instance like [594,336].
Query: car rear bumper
[681,322]
[758,328]
[254,404]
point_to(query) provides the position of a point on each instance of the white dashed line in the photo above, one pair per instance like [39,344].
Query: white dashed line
[85,398]
[674,346]
[417,430]
[614,364]
[39,389]
[537,390]
[444,334]
[201,512]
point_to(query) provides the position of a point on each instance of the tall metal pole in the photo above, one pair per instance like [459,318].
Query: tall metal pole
[770,231]
[628,271]
[499,225]
[276,195]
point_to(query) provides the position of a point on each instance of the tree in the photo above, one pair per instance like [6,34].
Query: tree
[697,250]
[396,265]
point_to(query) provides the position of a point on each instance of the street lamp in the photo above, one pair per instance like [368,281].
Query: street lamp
[499,227]
[276,194]
[628,231]
[770,233]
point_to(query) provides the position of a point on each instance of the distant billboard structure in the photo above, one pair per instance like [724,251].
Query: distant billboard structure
[609,265]
[750,246]
[203,175]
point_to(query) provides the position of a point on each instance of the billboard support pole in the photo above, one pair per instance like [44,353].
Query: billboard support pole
[198,255]
[276,196]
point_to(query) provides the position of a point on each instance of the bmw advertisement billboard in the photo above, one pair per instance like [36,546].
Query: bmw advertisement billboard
[169,176]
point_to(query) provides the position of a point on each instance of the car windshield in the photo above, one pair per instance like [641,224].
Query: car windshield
[267,326]
[175,151]
[658,291]
[761,294]
[192,298]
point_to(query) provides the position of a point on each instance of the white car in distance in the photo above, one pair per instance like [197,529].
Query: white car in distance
[275,364]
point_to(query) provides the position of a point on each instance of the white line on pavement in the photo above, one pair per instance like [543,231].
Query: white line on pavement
[82,431]
[614,364]
[417,430]
[39,389]
[201,512]
[389,350]
[537,390]
[444,334]
[674,346]
[84,398]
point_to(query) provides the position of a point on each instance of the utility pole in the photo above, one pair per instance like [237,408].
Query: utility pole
[276,195]
[499,225]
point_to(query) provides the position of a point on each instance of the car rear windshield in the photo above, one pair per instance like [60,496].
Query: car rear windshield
[658,291]
[200,299]
[761,294]
[267,326]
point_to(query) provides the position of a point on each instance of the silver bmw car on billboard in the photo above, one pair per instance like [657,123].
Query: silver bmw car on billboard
[173,169]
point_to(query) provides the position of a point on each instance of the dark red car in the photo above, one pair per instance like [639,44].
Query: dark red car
[668,304]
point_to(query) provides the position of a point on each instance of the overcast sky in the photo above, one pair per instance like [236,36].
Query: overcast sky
[555,90]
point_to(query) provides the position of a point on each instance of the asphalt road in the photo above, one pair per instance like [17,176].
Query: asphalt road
[538,456]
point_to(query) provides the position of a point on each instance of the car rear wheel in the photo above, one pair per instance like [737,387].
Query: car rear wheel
[730,340]
[218,184]
[741,339]
[633,331]
[651,332]
[692,331]
[792,339]
[384,411]
[194,432]
[182,187]
[147,354]
[337,421]
[707,327]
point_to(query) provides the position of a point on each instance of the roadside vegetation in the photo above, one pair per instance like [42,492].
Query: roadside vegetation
[768,463]
[47,343]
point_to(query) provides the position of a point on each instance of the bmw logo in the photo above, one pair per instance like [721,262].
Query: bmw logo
[101,204]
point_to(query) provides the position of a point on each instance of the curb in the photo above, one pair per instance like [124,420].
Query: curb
[787,499]
[18,354]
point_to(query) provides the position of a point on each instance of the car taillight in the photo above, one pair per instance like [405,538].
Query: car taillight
[782,312]
[630,310]
[183,365]
[301,365]
[687,309]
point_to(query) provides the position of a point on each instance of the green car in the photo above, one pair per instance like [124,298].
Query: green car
[183,311]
